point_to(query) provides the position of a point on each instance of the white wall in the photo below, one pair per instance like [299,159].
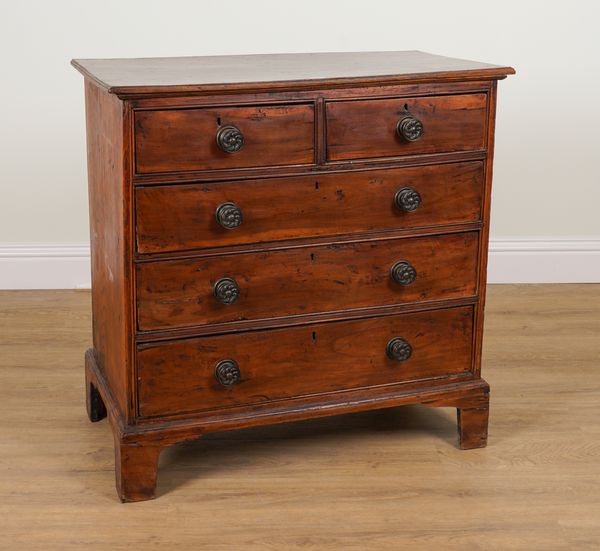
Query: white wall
[546,187]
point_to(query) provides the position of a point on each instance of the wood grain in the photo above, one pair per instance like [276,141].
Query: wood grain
[179,293]
[110,229]
[376,480]
[180,376]
[485,232]
[318,97]
[177,140]
[188,75]
[182,217]
[367,128]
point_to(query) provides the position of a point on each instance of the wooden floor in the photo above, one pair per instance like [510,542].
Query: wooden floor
[391,479]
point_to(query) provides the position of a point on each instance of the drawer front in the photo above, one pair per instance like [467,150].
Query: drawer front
[180,217]
[296,281]
[176,140]
[194,375]
[368,128]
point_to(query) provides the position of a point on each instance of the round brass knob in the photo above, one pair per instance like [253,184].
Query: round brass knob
[409,128]
[226,290]
[403,272]
[230,139]
[407,199]
[228,372]
[398,349]
[229,215]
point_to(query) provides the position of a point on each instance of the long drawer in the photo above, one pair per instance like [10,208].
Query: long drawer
[252,368]
[302,280]
[181,217]
[405,126]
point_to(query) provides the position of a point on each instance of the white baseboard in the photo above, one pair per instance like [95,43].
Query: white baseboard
[550,260]
[45,266]
[67,266]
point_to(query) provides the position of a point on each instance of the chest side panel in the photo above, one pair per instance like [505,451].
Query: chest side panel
[110,229]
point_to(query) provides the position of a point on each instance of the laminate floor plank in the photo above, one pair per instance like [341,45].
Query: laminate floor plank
[389,479]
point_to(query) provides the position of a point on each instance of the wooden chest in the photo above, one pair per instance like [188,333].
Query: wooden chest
[281,237]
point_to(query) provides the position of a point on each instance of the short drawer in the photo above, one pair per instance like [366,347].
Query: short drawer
[213,138]
[304,280]
[252,368]
[387,127]
[180,217]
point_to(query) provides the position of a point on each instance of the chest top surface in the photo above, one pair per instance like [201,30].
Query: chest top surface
[193,74]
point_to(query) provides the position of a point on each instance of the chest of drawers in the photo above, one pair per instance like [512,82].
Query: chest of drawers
[283,237]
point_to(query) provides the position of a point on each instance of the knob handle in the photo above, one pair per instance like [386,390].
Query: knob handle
[410,128]
[398,349]
[229,215]
[226,290]
[228,372]
[407,199]
[230,139]
[403,272]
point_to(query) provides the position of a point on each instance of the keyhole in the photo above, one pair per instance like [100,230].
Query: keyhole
[316,186]
[314,336]
[312,257]
[218,121]
[406,106]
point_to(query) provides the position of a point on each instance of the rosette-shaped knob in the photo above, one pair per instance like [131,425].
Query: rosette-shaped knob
[230,139]
[229,215]
[398,349]
[407,199]
[228,372]
[226,290]
[409,128]
[403,272]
